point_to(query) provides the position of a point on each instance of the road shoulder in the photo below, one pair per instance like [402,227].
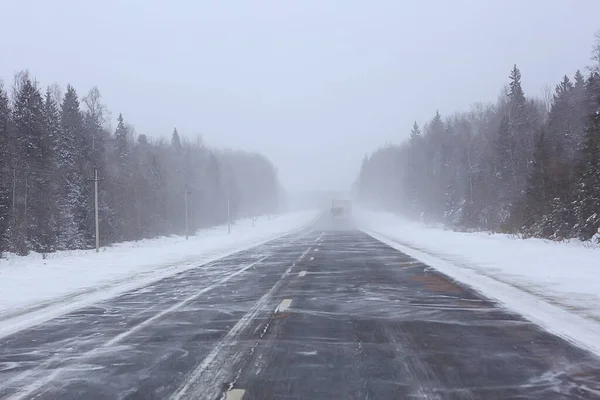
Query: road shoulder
[568,324]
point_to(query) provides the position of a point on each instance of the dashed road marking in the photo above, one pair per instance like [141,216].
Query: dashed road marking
[218,354]
[304,254]
[235,394]
[27,390]
[316,249]
[320,237]
[312,258]
[302,273]
[177,306]
[284,305]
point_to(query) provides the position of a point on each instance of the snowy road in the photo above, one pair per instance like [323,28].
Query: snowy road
[320,314]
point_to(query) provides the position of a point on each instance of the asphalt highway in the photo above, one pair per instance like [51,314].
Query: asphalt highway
[325,313]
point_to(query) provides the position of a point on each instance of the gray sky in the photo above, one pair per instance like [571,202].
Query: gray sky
[312,84]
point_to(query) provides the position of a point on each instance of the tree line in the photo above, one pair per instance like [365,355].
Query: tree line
[52,145]
[521,165]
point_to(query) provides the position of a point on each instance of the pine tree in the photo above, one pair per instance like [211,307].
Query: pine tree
[215,194]
[71,213]
[537,192]
[412,181]
[449,174]
[124,196]
[579,79]
[521,127]
[34,152]
[52,127]
[564,127]
[5,169]
[516,93]
[94,145]
[415,133]
[122,142]
[505,176]
[151,185]
[562,116]
[435,193]
[580,114]
[176,140]
[587,204]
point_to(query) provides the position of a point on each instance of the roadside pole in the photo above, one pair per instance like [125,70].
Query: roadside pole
[228,215]
[185,194]
[97,220]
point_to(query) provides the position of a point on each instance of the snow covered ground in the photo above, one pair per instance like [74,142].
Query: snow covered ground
[33,289]
[555,285]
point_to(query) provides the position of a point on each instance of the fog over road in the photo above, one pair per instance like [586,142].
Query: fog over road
[326,313]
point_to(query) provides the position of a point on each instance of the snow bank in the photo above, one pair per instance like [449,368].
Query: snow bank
[556,285]
[30,282]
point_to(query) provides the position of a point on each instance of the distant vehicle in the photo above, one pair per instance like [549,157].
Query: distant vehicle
[341,208]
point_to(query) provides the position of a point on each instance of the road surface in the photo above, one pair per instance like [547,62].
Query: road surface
[320,314]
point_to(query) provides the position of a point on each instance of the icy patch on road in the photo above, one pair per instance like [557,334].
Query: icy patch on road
[555,285]
[33,290]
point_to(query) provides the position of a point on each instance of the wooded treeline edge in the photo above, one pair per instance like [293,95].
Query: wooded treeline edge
[50,146]
[523,165]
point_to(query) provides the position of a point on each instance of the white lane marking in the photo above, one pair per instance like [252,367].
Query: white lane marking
[308,353]
[312,258]
[235,394]
[209,380]
[29,389]
[177,306]
[316,249]
[304,254]
[302,273]
[320,237]
[284,305]
[35,316]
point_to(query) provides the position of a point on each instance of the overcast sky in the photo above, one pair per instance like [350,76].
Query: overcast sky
[312,84]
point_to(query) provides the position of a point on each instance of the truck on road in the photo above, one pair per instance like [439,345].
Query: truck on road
[341,208]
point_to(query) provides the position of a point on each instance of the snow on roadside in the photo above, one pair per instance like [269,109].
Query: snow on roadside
[555,285]
[26,282]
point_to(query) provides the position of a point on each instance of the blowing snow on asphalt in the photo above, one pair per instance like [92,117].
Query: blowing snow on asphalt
[325,313]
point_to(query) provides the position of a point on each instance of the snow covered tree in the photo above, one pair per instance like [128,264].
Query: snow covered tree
[580,118]
[175,139]
[34,161]
[53,151]
[505,164]
[6,175]
[152,188]
[436,173]
[416,164]
[71,210]
[51,177]
[587,203]
[520,139]
[122,142]
[415,133]
[94,148]
[122,180]
[492,169]
[538,188]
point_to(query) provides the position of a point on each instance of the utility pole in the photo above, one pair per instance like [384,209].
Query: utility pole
[26,194]
[96,207]
[228,214]
[96,219]
[14,197]
[185,194]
